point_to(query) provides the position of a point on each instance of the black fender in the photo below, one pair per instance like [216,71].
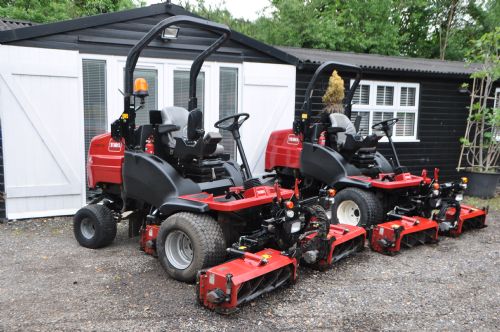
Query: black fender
[150,179]
[326,165]
[348,182]
[175,205]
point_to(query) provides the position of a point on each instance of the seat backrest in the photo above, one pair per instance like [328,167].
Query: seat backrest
[177,116]
[195,125]
[341,120]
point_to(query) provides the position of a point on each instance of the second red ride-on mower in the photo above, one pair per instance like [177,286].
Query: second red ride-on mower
[327,151]
[193,207]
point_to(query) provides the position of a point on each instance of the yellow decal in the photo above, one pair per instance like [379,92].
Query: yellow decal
[124,116]
[266,256]
[242,247]
[304,116]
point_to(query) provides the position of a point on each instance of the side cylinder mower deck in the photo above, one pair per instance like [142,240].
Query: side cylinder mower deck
[469,218]
[389,237]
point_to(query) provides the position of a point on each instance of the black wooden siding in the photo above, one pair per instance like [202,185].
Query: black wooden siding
[117,39]
[442,116]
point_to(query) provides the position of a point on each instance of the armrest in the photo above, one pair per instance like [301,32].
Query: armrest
[335,130]
[167,128]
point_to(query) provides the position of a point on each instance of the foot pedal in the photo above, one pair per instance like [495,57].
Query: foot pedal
[470,218]
[407,232]
[226,286]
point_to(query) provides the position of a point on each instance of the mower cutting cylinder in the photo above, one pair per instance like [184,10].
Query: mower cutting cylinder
[470,218]
[390,237]
[226,286]
[343,241]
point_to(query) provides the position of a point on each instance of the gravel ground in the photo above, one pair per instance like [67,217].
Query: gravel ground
[48,282]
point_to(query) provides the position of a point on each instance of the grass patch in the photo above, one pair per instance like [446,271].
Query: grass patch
[493,203]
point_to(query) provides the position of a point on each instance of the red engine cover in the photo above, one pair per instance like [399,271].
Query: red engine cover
[105,160]
[283,150]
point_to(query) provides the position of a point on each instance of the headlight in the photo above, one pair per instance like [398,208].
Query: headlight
[435,192]
[295,227]
[290,214]
[459,197]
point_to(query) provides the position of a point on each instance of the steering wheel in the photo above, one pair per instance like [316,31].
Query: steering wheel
[386,124]
[232,122]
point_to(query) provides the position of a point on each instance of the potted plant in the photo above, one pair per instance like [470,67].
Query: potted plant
[480,154]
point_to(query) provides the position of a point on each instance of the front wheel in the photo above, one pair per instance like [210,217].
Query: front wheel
[94,226]
[357,207]
[188,242]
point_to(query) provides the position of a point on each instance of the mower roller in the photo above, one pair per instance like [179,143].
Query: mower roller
[195,208]
[327,151]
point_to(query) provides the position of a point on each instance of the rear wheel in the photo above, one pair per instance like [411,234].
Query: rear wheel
[94,226]
[354,206]
[188,242]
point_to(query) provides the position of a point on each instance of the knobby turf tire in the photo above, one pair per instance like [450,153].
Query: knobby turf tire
[207,240]
[104,225]
[369,205]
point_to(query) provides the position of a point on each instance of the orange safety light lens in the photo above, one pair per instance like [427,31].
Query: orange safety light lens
[465,180]
[141,87]
[289,205]
[332,192]
[435,186]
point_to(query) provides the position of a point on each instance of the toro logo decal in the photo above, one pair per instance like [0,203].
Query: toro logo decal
[114,146]
[293,139]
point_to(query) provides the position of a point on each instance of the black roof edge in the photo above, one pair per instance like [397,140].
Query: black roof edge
[125,15]
[245,40]
[80,23]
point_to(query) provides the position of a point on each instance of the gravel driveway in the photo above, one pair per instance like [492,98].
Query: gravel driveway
[48,282]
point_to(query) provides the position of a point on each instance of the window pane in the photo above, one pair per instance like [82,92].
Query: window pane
[408,96]
[228,104]
[405,125]
[385,95]
[94,99]
[151,76]
[497,99]
[365,121]
[381,116]
[362,95]
[181,89]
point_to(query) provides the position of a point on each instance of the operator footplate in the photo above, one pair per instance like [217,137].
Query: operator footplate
[407,232]
[470,218]
[226,286]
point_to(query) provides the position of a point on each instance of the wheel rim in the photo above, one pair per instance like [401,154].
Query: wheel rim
[348,212]
[179,249]
[87,228]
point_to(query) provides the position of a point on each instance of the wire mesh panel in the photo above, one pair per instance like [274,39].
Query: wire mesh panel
[228,104]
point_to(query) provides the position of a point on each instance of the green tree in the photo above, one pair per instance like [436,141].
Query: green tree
[43,11]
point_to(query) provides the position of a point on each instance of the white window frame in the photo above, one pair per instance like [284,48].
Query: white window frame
[165,69]
[497,92]
[395,108]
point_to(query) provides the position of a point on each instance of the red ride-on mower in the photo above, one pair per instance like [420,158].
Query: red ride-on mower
[195,208]
[327,151]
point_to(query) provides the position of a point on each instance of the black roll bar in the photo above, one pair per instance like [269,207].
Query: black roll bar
[306,106]
[123,127]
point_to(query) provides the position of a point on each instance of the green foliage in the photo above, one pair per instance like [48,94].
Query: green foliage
[417,28]
[42,11]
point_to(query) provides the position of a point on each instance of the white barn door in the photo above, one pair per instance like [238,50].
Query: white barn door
[41,111]
[269,98]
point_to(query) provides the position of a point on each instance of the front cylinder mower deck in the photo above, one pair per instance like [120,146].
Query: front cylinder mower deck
[226,286]
[407,232]
[469,218]
[343,241]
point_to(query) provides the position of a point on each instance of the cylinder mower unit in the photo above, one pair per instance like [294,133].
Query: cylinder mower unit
[407,232]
